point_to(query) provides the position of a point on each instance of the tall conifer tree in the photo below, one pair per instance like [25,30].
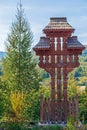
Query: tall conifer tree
[18,67]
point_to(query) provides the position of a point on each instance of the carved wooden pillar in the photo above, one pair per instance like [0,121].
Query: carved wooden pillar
[52,40]
[49,110]
[64,43]
[70,60]
[65,79]
[76,60]
[70,107]
[58,43]
[40,59]
[53,95]
[45,111]
[65,93]
[59,95]
[47,59]
[41,109]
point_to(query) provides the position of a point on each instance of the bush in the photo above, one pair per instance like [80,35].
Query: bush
[55,127]
[13,126]
[84,127]
[71,124]
[26,126]
[1,105]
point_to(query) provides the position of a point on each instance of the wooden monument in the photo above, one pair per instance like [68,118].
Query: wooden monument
[58,54]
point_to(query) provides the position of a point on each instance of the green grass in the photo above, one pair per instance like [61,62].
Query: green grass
[55,127]
[24,126]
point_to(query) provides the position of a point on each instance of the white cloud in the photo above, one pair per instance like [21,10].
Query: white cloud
[39,12]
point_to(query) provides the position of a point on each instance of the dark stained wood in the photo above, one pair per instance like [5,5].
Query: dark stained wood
[58,54]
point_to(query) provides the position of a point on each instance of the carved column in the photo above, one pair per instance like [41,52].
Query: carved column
[59,95]
[41,109]
[64,43]
[53,95]
[49,110]
[58,43]
[65,93]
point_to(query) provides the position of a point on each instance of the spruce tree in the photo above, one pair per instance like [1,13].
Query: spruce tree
[19,68]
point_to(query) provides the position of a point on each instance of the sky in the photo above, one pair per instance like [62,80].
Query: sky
[38,13]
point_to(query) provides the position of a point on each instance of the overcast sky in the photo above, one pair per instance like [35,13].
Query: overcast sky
[38,13]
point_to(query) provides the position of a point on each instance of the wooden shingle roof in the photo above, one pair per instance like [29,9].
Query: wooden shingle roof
[72,42]
[44,43]
[58,23]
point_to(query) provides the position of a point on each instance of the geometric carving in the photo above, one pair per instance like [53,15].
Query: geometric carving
[58,54]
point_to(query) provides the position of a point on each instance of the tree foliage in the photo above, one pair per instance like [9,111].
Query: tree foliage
[20,72]
[71,124]
[17,103]
[18,67]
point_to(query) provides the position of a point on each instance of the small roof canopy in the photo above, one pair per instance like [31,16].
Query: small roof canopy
[73,43]
[43,44]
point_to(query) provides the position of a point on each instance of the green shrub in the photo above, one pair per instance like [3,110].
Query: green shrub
[54,127]
[26,126]
[14,126]
[1,105]
[71,124]
[85,127]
